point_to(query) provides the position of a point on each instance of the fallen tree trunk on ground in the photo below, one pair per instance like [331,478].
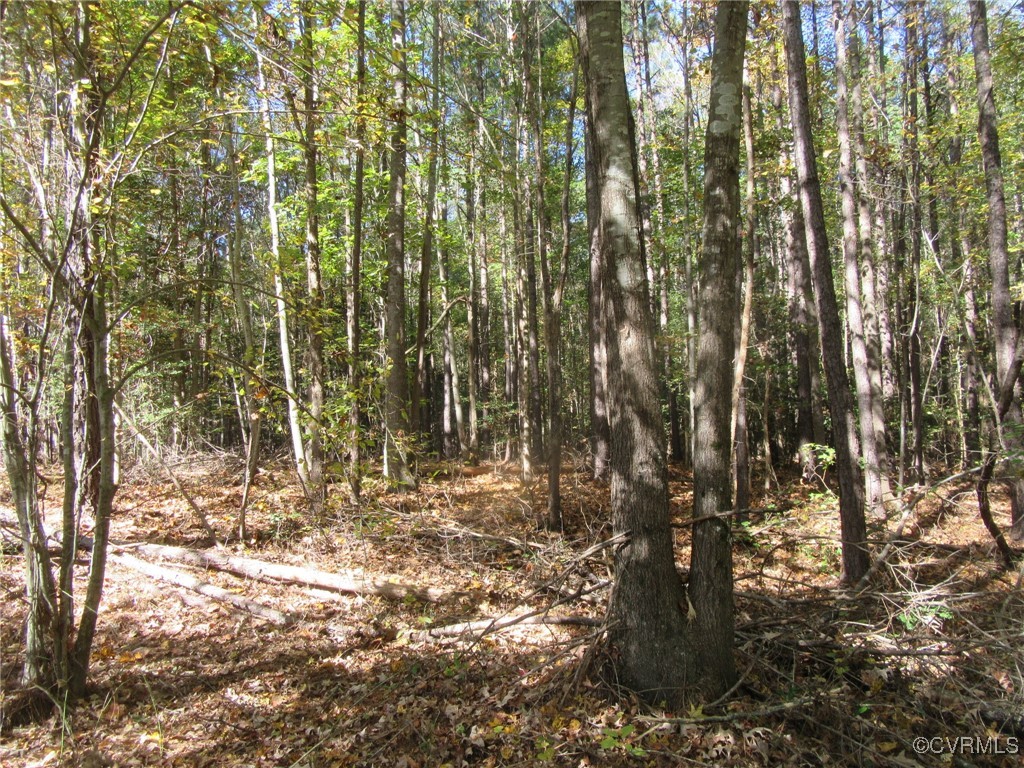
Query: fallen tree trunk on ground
[475,630]
[203,588]
[353,583]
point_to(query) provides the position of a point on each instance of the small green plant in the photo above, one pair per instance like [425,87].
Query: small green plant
[928,614]
[545,749]
[617,738]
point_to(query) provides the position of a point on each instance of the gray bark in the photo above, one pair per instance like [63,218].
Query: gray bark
[851,491]
[648,631]
[396,406]
[711,557]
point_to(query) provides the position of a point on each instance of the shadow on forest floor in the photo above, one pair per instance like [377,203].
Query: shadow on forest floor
[828,677]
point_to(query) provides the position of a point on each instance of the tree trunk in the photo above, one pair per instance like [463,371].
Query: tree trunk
[912,307]
[711,557]
[648,629]
[284,338]
[355,267]
[851,492]
[419,382]
[314,283]
[600,434]
[396,466]
[868,279]
[1003,329]
[42,664]
[854,314]
[740,440]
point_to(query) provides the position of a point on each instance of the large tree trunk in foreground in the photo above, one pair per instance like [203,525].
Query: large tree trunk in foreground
[851,491]
[648,631]
[711,554]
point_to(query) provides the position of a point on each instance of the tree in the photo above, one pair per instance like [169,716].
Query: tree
[65,225]
[648,629]
[711,553]
[396,405]
[872,452]
[1003,327]
[851,492]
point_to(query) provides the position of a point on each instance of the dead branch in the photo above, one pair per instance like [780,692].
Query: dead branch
[204,588]
[354,583]
[753,714]
[486,626]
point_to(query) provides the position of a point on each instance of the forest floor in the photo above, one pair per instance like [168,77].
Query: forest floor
[907,673]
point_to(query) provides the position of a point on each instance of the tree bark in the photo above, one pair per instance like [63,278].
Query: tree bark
[396,407]
[1003,328]
[314,282]
[600,433]
[284,338]
[355,266]
[419,381]
[851,492]
[711,557]
[648,631]
[854,314]
[740,439]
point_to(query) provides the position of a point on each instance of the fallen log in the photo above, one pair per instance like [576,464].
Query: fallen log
[203,588]
[354,582]
[475,630]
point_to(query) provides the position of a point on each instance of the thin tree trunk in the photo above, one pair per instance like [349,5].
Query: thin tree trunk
[711,554]
[284,339]
[250,411]
[915,395]
[741,447]
[1003,329]
[314,283]
[355,266]
[854,313]
[419,382]
[600,434]
[454,439]
[870,301]
[851,492]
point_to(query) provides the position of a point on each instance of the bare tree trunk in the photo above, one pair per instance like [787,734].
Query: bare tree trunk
[251,411]
[854,314]
[284,338]
[914,394]
[648,629]
[741,446]
[1003,328]
[355,267]
[868,279]
[711,555]
[419,382]
[314,282]
[600,434]
[396,466]
[851,492]
[42,664]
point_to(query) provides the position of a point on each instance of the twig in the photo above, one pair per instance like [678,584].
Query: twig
[486,626]
[752,714]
